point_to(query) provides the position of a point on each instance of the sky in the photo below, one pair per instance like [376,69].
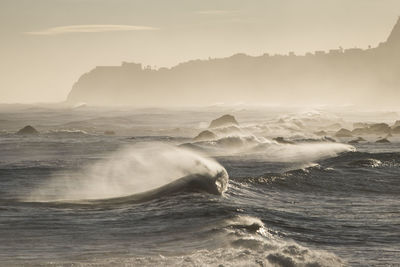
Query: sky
[46,45]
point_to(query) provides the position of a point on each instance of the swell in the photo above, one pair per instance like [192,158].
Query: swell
[348,173]
[365,159]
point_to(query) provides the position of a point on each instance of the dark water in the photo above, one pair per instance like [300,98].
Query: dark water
[307,204]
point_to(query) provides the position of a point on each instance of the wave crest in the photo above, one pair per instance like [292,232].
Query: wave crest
[139,172]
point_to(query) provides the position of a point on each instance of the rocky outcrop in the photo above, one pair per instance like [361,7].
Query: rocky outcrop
[205,136]
[383,141]
[225,120]
[27,130]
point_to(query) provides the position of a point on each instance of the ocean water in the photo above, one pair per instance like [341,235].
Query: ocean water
[150,195]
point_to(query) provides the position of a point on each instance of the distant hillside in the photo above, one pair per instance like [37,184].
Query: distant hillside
[334,77]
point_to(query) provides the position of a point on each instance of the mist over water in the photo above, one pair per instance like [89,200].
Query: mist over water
[249,148]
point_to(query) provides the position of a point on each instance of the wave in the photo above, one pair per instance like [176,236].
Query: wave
[137,173]
[373,163]
[289,256]
[268,248]
[239,245]
[215,185]
[350,173]
[66,132]
[365,159]
[245,241]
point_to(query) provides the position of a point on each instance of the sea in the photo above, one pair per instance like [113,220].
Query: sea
[127,186]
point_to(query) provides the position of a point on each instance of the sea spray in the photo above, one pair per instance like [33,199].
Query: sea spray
[305,152]
[251,147]
[134,169]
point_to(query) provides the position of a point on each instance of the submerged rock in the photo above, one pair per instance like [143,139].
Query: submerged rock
[383,141]
[225,120]
[205,135]
[343,133]
[28,130]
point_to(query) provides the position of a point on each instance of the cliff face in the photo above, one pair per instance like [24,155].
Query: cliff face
[339,76]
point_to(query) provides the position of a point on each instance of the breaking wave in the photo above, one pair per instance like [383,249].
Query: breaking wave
[137,173]
[248,242]
[261,148]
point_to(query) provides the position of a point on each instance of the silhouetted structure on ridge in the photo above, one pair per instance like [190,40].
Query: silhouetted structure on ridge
[341,75]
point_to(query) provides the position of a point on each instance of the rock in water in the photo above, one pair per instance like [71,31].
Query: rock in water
[28,130]
[205,136]
[225,120]
[383,141]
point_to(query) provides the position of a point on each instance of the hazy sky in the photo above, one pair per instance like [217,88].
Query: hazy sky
[46,45]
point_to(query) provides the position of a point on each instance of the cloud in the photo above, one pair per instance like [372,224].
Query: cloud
[216,12]
[90,29]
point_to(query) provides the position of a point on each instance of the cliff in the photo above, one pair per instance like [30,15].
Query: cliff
[338,76]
